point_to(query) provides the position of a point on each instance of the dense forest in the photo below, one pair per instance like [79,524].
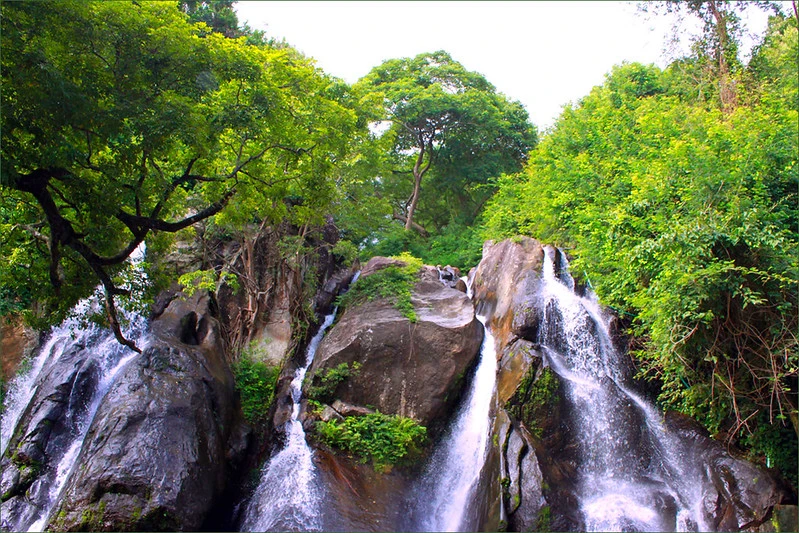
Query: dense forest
[674,191]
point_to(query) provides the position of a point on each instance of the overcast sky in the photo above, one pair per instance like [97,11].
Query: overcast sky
[543,54]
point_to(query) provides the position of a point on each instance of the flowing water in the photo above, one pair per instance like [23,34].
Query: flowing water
[632,474]
[94,358]
[289,496]
[447,488]
[104,359]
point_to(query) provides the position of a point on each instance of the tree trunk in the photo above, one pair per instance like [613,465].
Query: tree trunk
[726,84]
[418,173]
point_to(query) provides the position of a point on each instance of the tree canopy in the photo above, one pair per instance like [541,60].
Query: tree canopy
[123,119]
[447,123]
[681,211]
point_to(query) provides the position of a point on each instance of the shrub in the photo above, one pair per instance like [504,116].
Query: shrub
[384,439]
[256,383]
[328,380]
[393,283]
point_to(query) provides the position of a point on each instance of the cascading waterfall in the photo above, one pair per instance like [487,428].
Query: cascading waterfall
[448,485]
[98,354]
[110,358]
[289,496]
[631,476]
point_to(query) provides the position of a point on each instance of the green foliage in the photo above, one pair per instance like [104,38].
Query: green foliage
[777,444]
[255,382]
[454,245]
[543,521]
[685,216]
[167,125]
[345,251]
[206,280]
[393,283]
[385,440]
[446,125]
[328,380]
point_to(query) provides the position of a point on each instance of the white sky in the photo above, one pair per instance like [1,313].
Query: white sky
[543,54]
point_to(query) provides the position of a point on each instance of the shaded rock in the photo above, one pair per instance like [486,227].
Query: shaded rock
[163,442]
[737,494]
[346,409]
[783,518]
[416,369]
[328,414]
[516,447]
[65,389]
[358,498]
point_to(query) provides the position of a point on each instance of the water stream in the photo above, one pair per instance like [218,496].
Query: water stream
[632,475]
[448,486]
[289,496]
[89,358]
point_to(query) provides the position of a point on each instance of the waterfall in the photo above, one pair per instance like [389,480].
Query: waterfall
[105,358]
[289,495]
[93,358]
[632,475]
[448,484]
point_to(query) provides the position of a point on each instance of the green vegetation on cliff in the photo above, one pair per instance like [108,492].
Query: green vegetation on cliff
[255,382]
[679,204]
[393,283]
[384,440]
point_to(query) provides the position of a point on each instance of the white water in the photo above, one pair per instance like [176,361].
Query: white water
[447,488]
[289,496]
[616,490]
[110,357]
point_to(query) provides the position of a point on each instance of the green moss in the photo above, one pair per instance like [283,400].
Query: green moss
[384,440]
[393,283]
[536,397]
[543,521]
[327,381]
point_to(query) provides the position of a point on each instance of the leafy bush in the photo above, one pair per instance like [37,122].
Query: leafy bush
[256,383]
[329,380]
[384,439]
[393,283]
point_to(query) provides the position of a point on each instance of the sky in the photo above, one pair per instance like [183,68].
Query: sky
[543,54]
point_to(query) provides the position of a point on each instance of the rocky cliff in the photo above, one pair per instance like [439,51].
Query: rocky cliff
[540,450]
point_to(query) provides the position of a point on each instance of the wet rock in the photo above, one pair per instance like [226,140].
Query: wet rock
[413,369]
[162,443]
[737,494]
[783,518]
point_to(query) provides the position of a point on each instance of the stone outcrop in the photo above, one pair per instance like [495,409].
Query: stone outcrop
[536,450]
[163,443]
[161,435]
[412,369]
[17,343]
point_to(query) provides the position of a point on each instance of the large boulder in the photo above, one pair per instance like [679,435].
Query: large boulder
[413,369]
[506,285]
[76,361]
[159,451]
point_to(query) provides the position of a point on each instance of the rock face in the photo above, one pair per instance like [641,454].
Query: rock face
[538,448]
[411,369]
[506,287]
[164,441]
[161,433]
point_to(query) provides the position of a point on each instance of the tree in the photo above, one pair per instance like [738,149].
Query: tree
[684,218]
[720,38]
[446,121]
[123,120]
[217,14]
